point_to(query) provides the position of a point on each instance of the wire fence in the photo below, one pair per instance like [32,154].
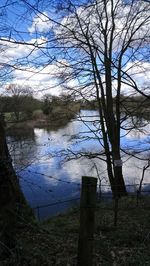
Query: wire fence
[104,193]
[103,197]
[78,184]
[39,207]
[105,203]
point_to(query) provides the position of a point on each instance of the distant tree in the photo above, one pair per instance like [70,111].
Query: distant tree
[21,100]
[47,104]
[66,98]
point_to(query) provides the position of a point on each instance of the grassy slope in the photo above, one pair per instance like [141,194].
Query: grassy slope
[54,242]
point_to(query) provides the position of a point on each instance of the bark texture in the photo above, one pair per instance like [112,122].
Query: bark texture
[12,201]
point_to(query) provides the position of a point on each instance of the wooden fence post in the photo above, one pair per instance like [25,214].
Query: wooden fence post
[87,219]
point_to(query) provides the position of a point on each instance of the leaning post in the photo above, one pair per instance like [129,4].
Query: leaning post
[87,220]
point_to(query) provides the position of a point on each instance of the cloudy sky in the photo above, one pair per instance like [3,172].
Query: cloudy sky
[34,59]
[23,42]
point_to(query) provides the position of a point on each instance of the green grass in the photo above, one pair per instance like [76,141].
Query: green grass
[54,242]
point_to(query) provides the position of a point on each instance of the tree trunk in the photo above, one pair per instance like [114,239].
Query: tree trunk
[119,182]
[11,197]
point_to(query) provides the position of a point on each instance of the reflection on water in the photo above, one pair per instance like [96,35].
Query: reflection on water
[46,179]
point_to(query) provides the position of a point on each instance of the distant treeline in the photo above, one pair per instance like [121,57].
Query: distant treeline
[65,104]
[137,105]
[127,102]
[22,103]
[18,105]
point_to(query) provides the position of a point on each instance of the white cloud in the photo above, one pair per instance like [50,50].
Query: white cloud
[37,77]
[91,20]
[41,23]
[140,72]
[42,80]
[11,51]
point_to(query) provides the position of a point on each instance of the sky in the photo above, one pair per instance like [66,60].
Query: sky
[31,66]
[34,58]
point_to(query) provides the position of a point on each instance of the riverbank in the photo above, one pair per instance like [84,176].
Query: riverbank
[39,120]
[58,118]
[54,242]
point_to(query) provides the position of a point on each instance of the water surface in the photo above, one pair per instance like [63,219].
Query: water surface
[47,175]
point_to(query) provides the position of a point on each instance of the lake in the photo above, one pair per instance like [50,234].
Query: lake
[48,174]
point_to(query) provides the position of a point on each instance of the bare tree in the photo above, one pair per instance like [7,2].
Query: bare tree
[104,42]
[18,95]
[100,46]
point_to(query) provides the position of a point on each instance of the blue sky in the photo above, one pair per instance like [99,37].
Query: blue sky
[23,24]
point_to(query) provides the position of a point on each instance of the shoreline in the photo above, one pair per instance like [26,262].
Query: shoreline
[38,123]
